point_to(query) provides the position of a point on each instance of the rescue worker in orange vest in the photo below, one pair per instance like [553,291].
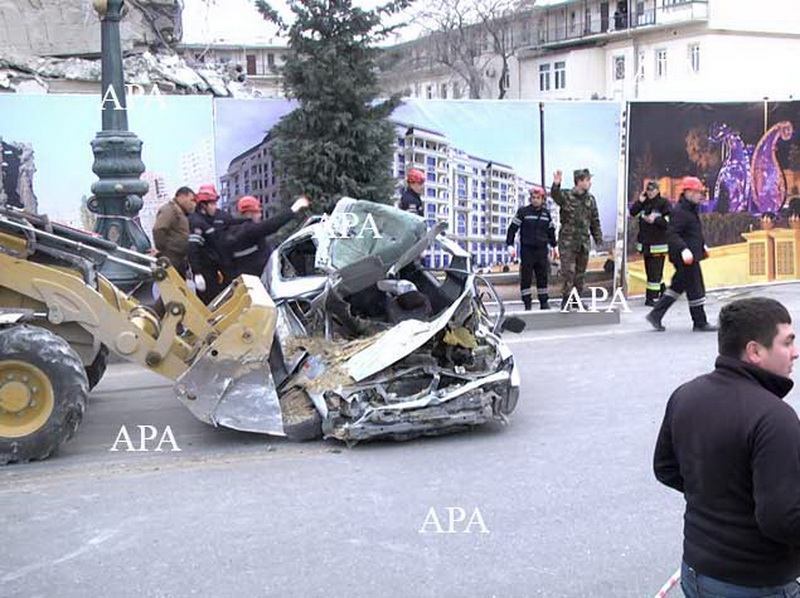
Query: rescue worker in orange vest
[210,264]
[246,238]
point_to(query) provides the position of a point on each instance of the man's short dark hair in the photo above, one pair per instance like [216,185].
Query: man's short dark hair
[184,191]
[581,174]
[745,320]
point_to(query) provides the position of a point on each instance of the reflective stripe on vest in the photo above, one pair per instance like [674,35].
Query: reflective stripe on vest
[245,252]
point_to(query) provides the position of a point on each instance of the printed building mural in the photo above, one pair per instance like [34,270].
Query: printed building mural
[748,156]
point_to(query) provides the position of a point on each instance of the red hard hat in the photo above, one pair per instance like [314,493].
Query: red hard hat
[207,193]
[536,190]
[415,176]
[691,183]
[248,204]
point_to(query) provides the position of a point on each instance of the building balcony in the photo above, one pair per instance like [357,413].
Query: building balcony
[556,30]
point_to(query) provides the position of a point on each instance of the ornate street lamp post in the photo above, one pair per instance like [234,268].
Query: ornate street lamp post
[117,196]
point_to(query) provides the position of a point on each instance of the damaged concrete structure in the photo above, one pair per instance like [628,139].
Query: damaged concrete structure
[16,176]
[54,47]
[71,27]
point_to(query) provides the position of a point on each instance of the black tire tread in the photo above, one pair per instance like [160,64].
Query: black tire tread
[58,360]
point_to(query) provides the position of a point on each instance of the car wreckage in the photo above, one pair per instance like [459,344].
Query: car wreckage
[368,342]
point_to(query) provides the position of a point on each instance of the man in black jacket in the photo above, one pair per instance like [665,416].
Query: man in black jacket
[208,259]
[653,213]
[537,234]
[731,445]
[246,238]
[686,249]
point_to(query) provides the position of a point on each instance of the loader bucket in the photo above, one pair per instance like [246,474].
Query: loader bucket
[229,382]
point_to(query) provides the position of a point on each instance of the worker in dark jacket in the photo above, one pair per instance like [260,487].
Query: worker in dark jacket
[537,234]
[686,249]
[171,229]
[653,213]
[731,446]
[210,264]
[411,200]
[246,238]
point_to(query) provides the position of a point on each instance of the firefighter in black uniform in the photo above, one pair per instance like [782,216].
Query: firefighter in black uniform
[653,212]
[246,238]
[686,249]
[210,265]
[537,235]
[411,200]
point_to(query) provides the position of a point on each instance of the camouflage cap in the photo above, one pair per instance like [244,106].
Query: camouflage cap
[581,173]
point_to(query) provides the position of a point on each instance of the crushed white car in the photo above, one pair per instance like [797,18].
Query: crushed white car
[380,345]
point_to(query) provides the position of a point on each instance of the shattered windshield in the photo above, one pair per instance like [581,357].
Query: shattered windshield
[357,229]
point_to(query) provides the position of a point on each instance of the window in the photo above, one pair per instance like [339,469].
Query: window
[443,93]
[507,79]
[251,64]
[694,58]
[661,64]
[619,68]
[456,91]
[560,69]
[544,77]
[429,92]
[271,60]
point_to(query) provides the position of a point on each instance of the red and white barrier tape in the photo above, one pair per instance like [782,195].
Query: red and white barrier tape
[671,583]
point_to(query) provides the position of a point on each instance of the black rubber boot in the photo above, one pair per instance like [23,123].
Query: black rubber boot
[700,322]
[657,313]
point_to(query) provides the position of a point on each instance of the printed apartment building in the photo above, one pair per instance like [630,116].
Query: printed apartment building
[156,196]
[251,173]
[197,166]
[476,197]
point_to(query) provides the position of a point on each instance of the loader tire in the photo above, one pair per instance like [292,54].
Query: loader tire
[301,420]
[43,389]
[96,369]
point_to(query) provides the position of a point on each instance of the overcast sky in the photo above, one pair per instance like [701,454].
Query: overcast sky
[238,21]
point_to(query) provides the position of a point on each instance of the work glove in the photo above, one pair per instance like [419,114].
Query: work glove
[199,282]
[687,256]
[300,203]
[512,252]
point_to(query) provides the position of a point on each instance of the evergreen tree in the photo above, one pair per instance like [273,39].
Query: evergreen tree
[339,140]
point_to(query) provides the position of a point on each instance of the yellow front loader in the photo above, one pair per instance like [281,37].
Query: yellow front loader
[59,317]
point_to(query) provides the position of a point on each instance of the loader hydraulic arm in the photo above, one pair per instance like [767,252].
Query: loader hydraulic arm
[55,271]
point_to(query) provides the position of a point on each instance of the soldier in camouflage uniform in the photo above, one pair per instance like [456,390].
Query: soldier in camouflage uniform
[579,217]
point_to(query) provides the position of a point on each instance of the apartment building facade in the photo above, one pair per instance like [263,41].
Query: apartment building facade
[475,196]
[662,50]
[652,50]
[251,173]
[259,63]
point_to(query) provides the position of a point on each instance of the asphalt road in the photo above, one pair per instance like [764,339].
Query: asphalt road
[565,491]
